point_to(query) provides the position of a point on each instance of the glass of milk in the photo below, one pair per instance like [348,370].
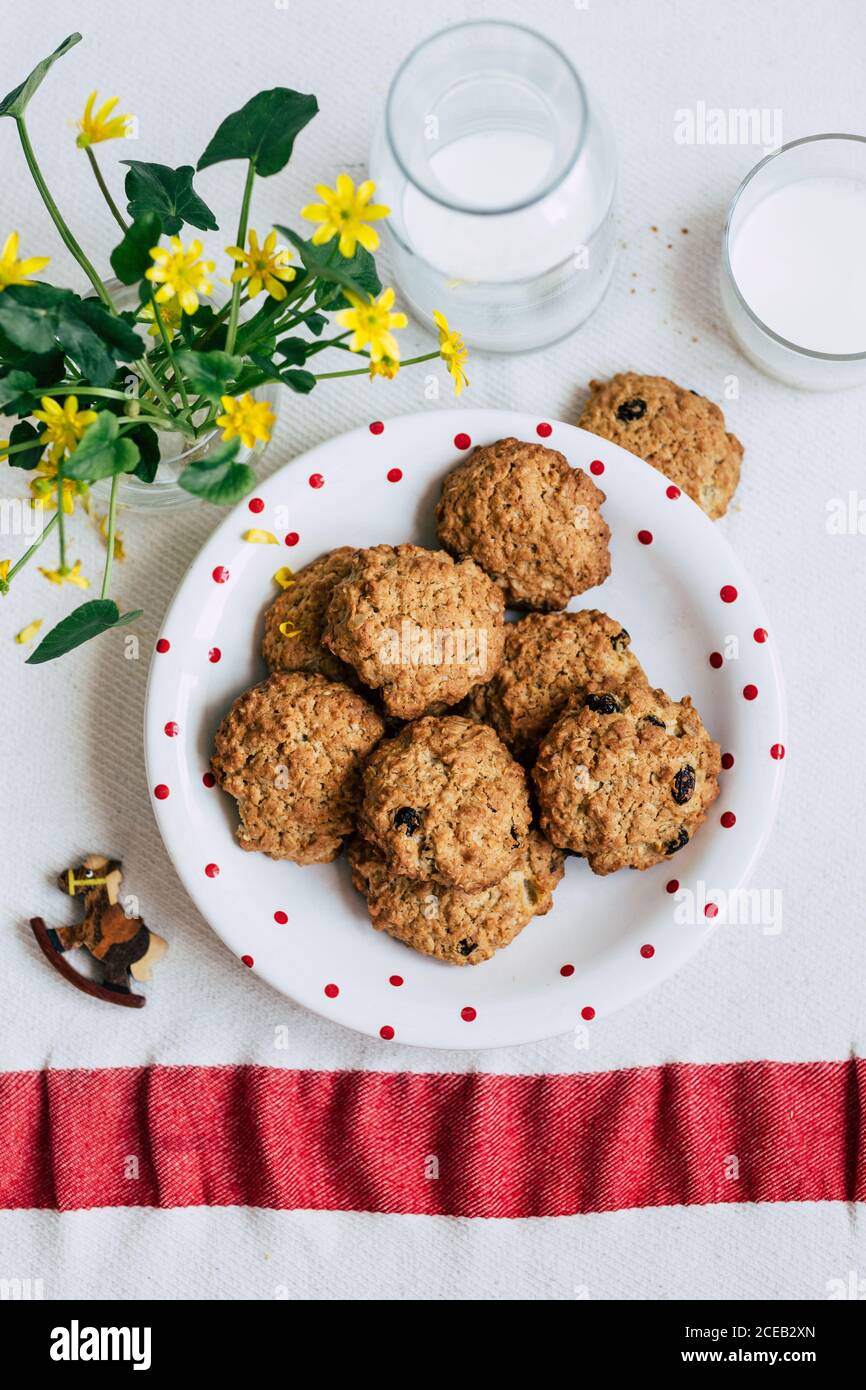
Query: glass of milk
[500,175]
[794,263]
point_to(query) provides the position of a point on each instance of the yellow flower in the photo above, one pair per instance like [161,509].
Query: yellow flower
[371,321]
[343,212]
[96,126]
[67,576]
[170,313]
[13,271]
[29,632]
[386,366]
[453,352]
[246,417]
[44,492]
[66,424]
[119,550]
[180,272]
[263,266]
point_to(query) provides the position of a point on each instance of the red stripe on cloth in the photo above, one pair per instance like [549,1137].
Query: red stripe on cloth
[436,1144]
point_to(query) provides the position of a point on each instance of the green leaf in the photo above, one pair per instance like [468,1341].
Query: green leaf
[361,268]
[167,192]
[357,273]
[302,382]
[12,386]
[147,442]
[101,452]
[209,373]
[219,479]
[88,620]
[30,327]
[15,102]
[87,350]
[131,258]
[263,131]
[25,433]
[294,350]
[119,337]
[315,323]
[35,318]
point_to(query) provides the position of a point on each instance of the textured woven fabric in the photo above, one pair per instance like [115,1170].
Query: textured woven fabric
[71,757]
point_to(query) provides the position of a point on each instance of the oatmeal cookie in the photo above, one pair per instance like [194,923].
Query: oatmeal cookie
[417,626]
[290,751]
[449,923]
[625,777]
[445,800]
[550,658]
[679,432]
[300,612]
[529,519]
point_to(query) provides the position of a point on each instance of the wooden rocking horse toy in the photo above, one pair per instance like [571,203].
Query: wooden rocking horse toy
[122,945]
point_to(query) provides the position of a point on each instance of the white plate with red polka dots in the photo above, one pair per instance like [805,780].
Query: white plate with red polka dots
[697,626]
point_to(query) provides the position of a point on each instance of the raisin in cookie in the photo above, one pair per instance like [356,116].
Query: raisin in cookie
[625,777]
[294,621]
[529,519]
[550,658]
[679,432]
[417,626]
[290,751]
[449,923]
[445,800]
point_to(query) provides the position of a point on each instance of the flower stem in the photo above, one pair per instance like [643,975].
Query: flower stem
[112,524]
[241,241]
[166,342]
[362,371]
[66,236]
[61,520]
[31,551]
[103,188]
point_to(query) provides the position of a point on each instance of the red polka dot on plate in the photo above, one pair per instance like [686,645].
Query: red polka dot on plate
[248,962]
[728,820]
[672,885]
[777,751]
[596,467]
[214,655]
[566,970]
[292,538]
[468,1014]
[760,634]
[587,1012]
[281,918]
[647,951]
[220,575]
[727,761]
[316,480]
[395,980]
[171,729]
[750,692]
[163,645]
[673,492]
[331,991]
[377,426]
[394,475]
[212,870]
[727,593]
[711,910]
[716,660]
[209,780]
[161,791]
[544,430]
[386,1032]
[256,505]
[645,537]
[462,441]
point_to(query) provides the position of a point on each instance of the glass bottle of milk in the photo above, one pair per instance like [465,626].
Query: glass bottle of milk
[500,175]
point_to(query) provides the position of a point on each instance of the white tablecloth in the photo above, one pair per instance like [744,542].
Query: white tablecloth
[73,774]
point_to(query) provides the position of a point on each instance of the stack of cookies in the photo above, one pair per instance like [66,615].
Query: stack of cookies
[461,755]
